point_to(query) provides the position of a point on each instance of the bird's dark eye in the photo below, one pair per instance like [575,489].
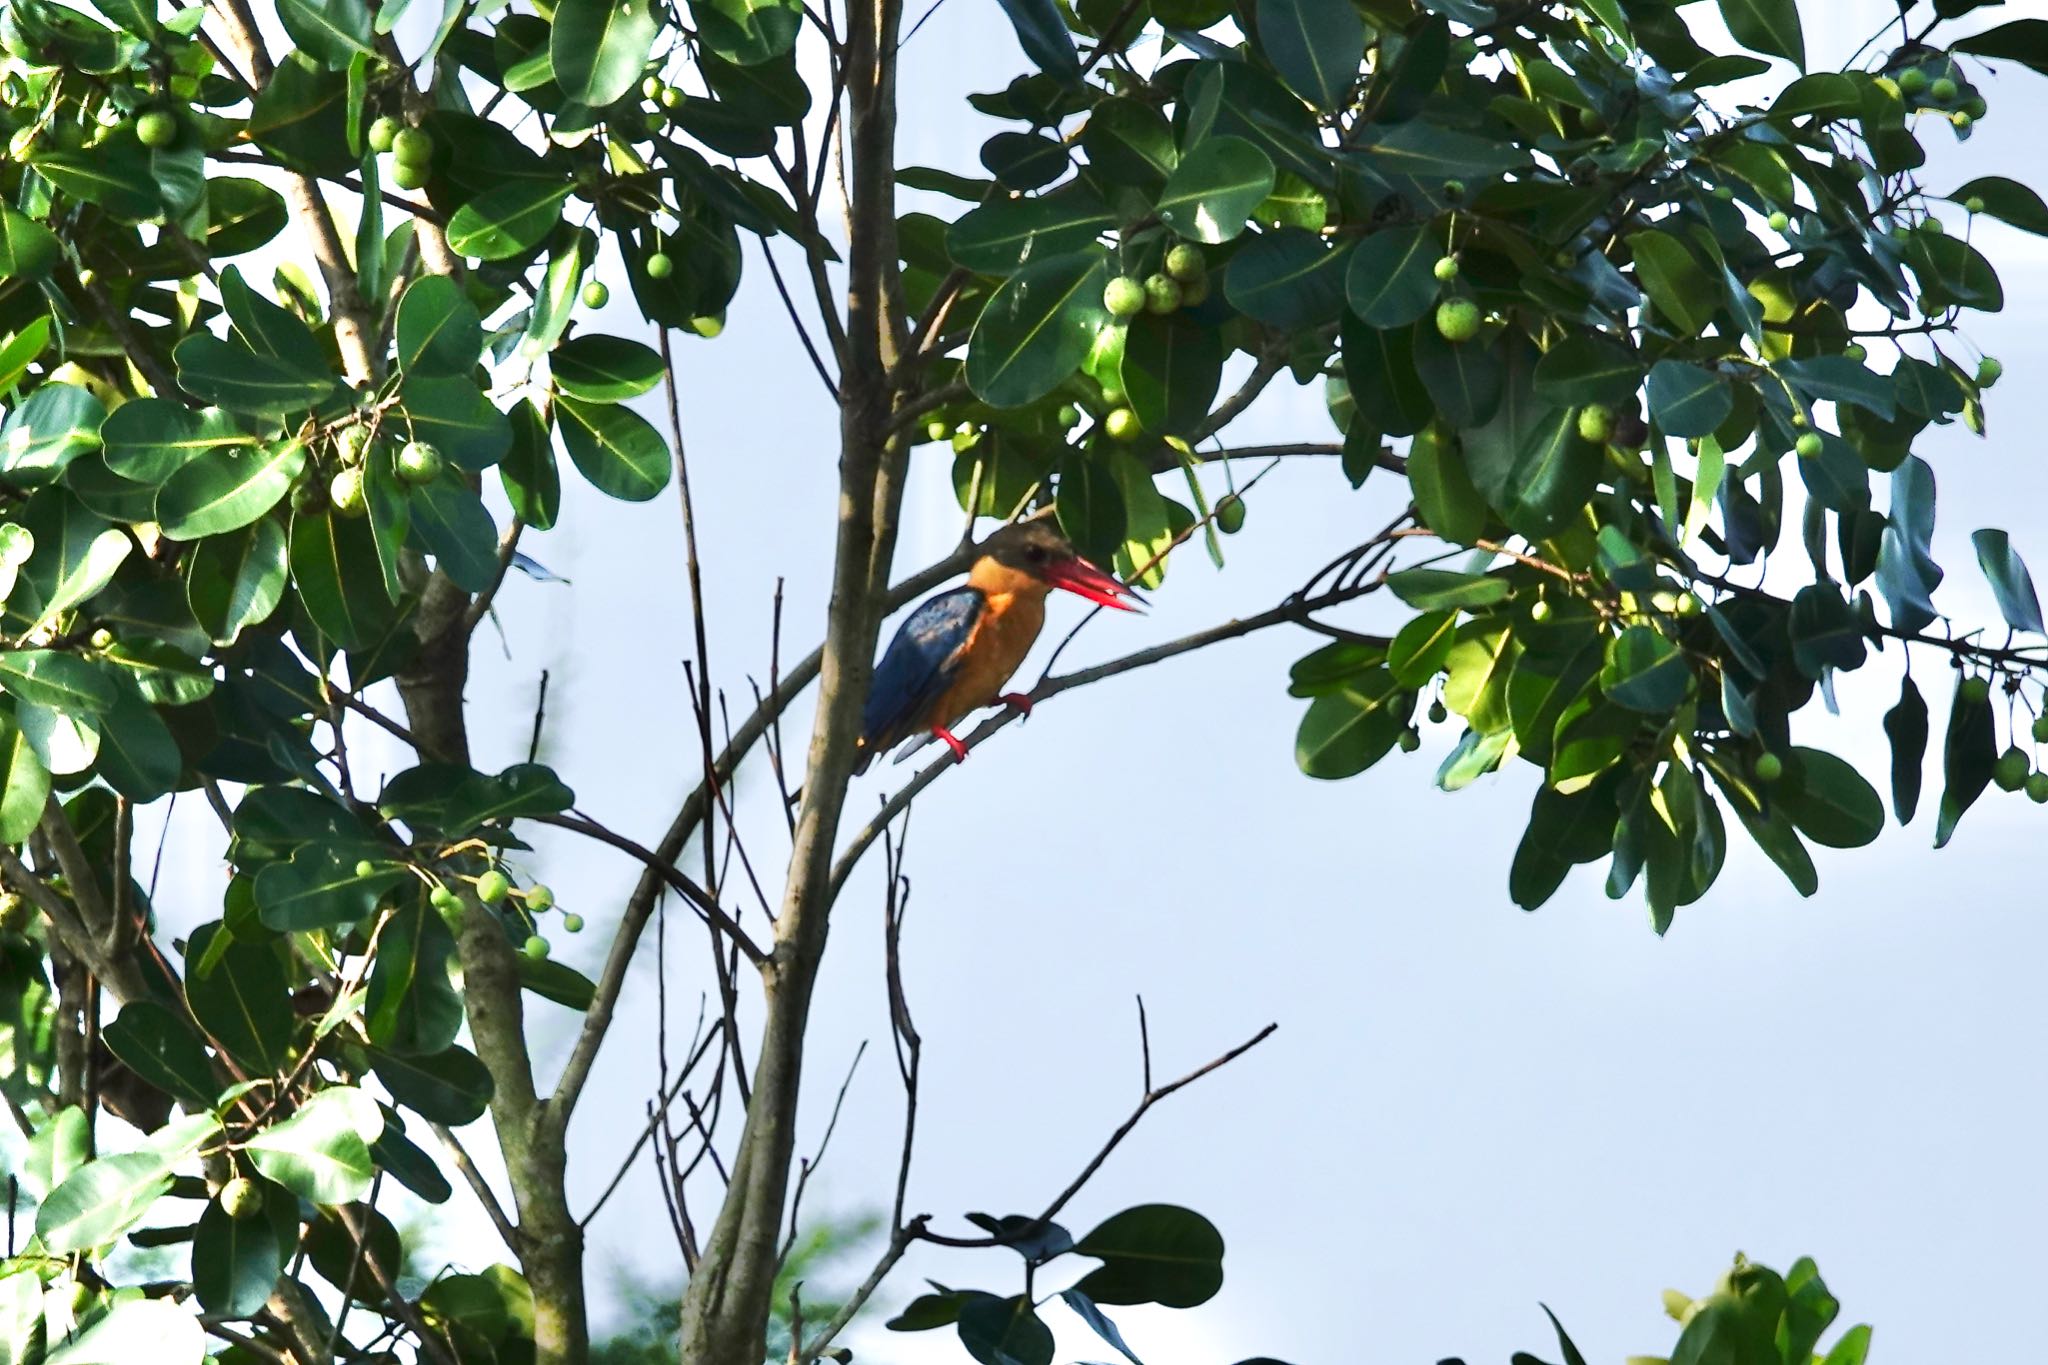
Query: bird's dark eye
[1036,554]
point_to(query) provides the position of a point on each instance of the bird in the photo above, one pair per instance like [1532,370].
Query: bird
[953,654]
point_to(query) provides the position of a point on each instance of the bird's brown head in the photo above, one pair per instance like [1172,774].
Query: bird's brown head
[1036,548]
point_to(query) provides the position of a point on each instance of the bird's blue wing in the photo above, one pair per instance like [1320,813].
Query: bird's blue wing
[918,664]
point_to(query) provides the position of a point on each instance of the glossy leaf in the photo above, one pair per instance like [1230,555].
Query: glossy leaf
[239,996]
[1767,26]
[334,566]
[1317,47]
[321,1153]
[512,218]
[1214,189]
[598,48]
[235,580]
[453,415]
[1645,671]
[604,369]
[1037,329]
[54,426]
[2010,582]
[1674,280]
[1043,34]
[1686,400]
[439,331]
[226,488]
[1829,801]
[450,1086]
[236,1261]
[1969,751]
[615,448]
[1347,731]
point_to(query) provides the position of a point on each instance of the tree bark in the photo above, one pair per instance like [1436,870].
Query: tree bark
[727,1303]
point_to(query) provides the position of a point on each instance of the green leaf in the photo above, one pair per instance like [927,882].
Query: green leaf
[457,801]
[453,415]
[335,32]
[1464,380]
[300,117]
[1419,150]
[1130,143]
[1644,671]
[226,488]
[1346,731]
[1450,506]
[458,530]
[532,483]
[999,237]
[134,1331]
[1951,272]
[138,757]
[236,580]
[116,177]
[1686,400]
[1905,725]
[1838,379]
[2008,201]
[555,305]
[748,32]
[1004,1331]
[150,439]
[1154,1253]
[158,1045]
[1825,629]
[28,250]
[556,981]
[1554,473]
[1317,46]
[511,219]
[319,888]
[103,1199]
[1043,34]
[439,330]
[76,552]
[412,1007]
[1828,800]
[1171,370]
[1037,329]
[1214,189]
[598,48]
[450,1086]
[1389,281]
[1767,26]
[615,448]
[1676,282]
[1288,279]
[1385,388]
[236,378]
[21,351]
[397,1156]
[51,428]
[2010,582]
[63,682]
[322,1152]
[2023,40]
[24,783]
[1968,754]
[239,996]
[59,1147]
[604,369]
[236,1261]
[1588,367]
[1448,589]
[334,565]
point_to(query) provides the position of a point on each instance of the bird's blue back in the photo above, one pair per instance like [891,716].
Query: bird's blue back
[918,665]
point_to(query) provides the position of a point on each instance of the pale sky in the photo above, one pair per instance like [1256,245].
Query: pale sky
[1467,1109]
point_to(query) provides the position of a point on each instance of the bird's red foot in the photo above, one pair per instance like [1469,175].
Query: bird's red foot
[1018,700]
[952,741]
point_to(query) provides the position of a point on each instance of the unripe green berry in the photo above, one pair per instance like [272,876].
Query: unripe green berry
[535,948]
[1912,80]
[1974,204]
[659,266]
[1445,269]
[1411,740]
[937,430]
[419,463]
[572,924]
[1124,296]
[1069,416]
[1457,320]
[156,129]
[1438,712]
[1961,118]
[492,887]
[708,325]
[365,868]
[1809,445]
[1454,190]
[411,175]
[650,87]
[345,492]
[1779,220]
[1975,691]
[2037,787]
[1230,514]
[383,134]
[444,900]
[670,97]
[2041,728]
[1195,292]
[1769,768]
[1162,294]
[540,897]
[2010,771]
[412,147]
[1540,611]
[596,294]
[1942,91]
[1122,425]
[102,638]
[1596,424]
[240,1198]
[1855,351]
[1988,371]
[1975,107]
[1724,192]
[1185,262]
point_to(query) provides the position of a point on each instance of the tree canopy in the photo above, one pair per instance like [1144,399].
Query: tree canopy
[1623,338]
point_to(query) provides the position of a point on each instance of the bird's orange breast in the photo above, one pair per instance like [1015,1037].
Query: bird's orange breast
[1008,627]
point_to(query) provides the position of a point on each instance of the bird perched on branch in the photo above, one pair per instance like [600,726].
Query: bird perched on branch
[954,653]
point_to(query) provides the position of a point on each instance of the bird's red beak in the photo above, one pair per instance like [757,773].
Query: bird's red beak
[1083,579]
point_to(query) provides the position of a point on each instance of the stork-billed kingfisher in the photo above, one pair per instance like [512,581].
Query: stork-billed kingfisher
[954,653]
